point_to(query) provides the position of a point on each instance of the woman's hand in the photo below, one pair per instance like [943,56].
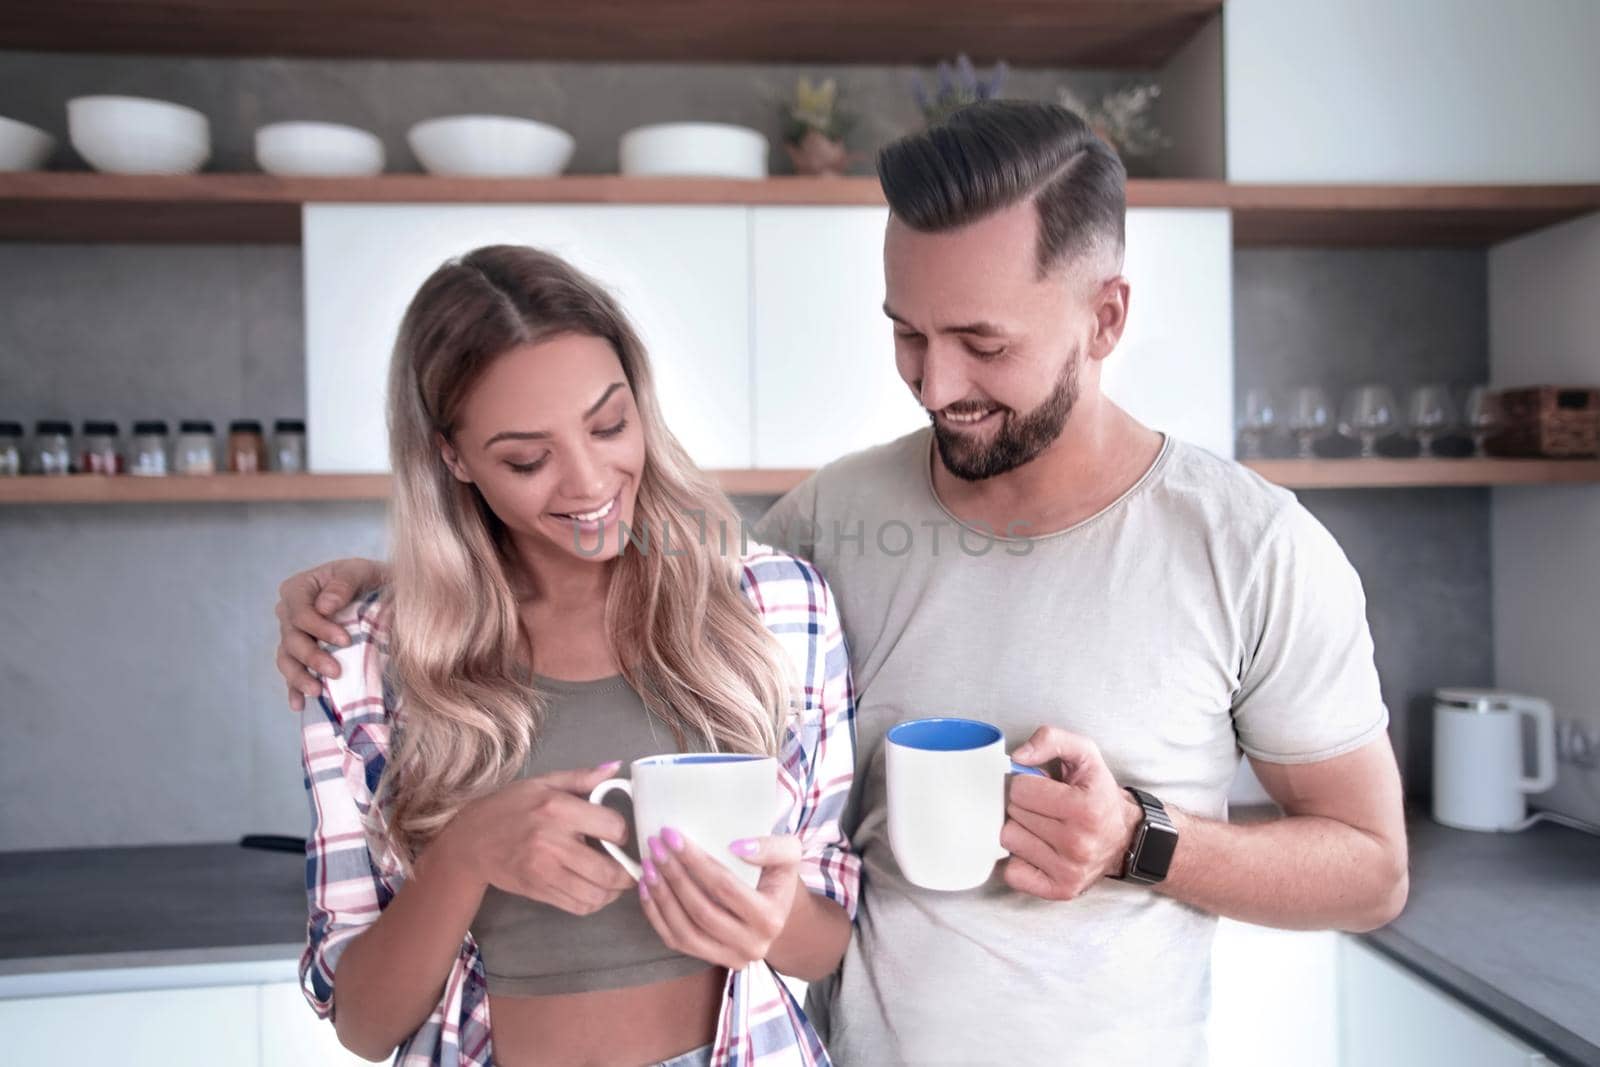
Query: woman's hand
[529,838]
[702,909]
[307,603]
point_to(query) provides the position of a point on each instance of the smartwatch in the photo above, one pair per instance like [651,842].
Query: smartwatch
[1154,842]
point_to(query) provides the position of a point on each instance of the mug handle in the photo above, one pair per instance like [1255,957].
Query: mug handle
[1017,768]
[600,792]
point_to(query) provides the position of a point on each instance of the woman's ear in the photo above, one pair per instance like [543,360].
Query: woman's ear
[452,459]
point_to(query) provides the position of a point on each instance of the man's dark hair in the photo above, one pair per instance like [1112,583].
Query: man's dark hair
[990,155]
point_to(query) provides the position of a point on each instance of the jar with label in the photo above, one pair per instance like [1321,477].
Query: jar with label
[101,452]
[197,448]
[149,454]
[52,447]
[247,453]
[10,449]
[289,446]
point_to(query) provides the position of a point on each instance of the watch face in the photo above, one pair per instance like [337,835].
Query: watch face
[1156,849]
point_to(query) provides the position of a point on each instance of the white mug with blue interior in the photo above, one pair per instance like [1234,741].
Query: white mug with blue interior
[947,800]
[713,799]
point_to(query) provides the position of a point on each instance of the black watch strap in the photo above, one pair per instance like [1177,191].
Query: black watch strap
[1154,841]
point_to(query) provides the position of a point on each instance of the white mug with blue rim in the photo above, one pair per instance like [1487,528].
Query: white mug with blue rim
[713,799]
[947,800]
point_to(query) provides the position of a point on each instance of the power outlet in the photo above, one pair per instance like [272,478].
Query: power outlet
[1578,743]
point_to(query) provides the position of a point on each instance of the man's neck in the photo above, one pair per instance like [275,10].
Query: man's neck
[1101,453]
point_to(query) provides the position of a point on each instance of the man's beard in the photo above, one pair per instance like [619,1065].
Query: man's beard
[1019,439]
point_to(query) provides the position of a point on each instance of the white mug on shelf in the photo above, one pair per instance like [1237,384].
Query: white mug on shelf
[713,799]
[947,800]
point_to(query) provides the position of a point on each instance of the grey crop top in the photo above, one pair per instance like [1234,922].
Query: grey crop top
[534,949]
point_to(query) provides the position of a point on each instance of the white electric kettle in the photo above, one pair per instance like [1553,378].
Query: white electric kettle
[1478,779]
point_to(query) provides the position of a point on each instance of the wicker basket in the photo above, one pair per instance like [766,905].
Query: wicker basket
[1547,421]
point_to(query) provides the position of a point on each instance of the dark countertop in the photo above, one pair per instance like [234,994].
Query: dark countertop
[1510,925]
[103,901]
[1507,923]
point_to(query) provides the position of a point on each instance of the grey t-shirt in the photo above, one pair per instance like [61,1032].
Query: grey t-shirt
[1203,612]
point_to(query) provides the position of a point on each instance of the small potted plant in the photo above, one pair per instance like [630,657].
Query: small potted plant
[1122,119]
[814,128]
[955,87]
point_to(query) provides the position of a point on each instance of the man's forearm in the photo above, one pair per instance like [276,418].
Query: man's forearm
[1299,872]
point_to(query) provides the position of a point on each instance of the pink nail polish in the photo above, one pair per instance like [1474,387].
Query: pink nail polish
[609,766]
[673,838]
[743,847]
[659,850]
[644,891]
[650,875]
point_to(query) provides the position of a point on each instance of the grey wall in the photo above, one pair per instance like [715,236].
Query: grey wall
[594,102]
[1340,318]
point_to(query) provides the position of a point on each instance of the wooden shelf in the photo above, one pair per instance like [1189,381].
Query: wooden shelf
[1423,473]
[1055,33]
[281,488]
[258,208]
[287,488]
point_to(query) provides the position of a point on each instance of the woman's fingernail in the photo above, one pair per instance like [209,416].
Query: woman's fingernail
[674,839]
[743,847]
[644,891]
[659,850]
[650,875]
[609,767]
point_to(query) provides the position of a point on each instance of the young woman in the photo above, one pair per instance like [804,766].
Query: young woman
[522,648]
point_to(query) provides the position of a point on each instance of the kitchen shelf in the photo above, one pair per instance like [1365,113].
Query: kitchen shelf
[1053,33]
[1423,473]
[82,206]
[284,488]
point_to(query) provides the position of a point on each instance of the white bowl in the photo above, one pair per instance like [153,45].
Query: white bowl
[318,150]
[490,146]
[694,149]
[23,147]
[133,135]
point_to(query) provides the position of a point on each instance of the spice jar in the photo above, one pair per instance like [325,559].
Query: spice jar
[197,448]
[52,447]
[149,453]
[289,446]
[247,453]
[10,449]
[101,452]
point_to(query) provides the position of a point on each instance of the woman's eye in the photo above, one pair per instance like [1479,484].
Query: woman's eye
[525,468]
[612,431]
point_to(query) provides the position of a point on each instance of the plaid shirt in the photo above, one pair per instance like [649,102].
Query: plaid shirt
[344,744]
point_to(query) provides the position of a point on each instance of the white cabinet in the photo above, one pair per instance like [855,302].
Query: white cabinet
[1273,997]
[825,380]
[1391,1018]
[1411,91]
[149,1028]
[1173,369]
[293,1036]
[681,273]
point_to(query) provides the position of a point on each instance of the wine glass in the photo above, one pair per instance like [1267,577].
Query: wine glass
[1260,418]
[1308,416]
[1432,413]
[1483,415]
[1371,413]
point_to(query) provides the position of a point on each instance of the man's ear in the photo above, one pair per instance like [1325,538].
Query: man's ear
[1110,317]
[452,459]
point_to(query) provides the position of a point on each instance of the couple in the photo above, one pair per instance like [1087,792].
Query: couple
[1156,609]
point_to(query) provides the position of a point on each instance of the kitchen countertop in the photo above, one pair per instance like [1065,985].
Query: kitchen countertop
[1510,925]
[1507,923]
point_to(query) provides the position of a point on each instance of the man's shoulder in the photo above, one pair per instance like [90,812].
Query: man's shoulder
[872,474]
[1225,498]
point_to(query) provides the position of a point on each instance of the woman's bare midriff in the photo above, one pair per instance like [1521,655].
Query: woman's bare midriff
[632,1027]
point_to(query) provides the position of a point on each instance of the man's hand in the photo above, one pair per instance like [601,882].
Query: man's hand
[1068,832]
[306,604]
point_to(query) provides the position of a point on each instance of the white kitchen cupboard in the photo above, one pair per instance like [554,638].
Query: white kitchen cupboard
[1469,91]
[825,382]
[681,273]
[1391,1018]
[1273,997]
[825,379]
[1173,369]
[202,1027]
[293,1036]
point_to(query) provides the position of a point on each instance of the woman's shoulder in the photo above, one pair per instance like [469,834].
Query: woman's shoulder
[361,689]
[366,618]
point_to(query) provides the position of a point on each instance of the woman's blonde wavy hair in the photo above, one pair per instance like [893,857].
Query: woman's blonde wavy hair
[688,641]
